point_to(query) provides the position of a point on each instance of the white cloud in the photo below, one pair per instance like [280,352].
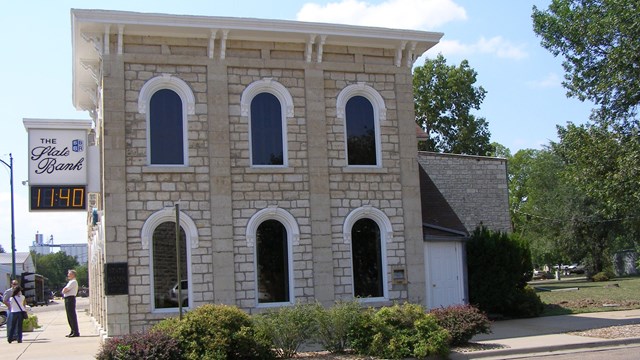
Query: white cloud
[496,46]
[552,80]
[404,14]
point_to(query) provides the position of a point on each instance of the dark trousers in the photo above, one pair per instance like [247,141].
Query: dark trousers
[9,316]
[16,327]
[72,318]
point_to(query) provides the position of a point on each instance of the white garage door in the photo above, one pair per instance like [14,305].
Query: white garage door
[445,282]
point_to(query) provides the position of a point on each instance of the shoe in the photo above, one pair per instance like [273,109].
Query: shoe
[74,335]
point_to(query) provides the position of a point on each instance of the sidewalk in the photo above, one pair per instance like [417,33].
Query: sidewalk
[49,341]
[537,336]
[510,338]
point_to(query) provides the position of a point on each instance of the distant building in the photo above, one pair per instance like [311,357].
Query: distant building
[78,251]
[24,263]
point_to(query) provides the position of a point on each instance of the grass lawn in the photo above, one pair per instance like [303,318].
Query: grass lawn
[579,295]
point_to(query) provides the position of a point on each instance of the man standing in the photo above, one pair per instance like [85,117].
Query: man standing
[5,299]
[69,292]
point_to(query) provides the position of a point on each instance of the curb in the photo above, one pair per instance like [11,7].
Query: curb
[531,351]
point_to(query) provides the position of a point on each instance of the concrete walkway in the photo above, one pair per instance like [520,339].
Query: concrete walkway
[510,339]
[544,335]
[49,341]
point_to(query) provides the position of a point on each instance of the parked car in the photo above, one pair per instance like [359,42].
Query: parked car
[173,293]
[3,314]
[576,268]
[542,275]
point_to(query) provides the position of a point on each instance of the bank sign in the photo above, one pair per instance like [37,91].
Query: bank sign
[57,157]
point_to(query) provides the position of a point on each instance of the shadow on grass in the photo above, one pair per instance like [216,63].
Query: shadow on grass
[555,309]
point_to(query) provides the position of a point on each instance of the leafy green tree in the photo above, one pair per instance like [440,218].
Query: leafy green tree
[443,98]
[82,275]
[600,44]
[603,166]
[54,267]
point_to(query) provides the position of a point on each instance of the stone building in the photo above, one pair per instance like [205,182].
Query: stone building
[289,148]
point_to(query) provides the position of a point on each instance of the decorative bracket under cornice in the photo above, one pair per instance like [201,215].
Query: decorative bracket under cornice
[212,43]
[399,51]
[223,44]
[410,53]
[91,90]
[120,39]
[93,67]
[320,46]
[309,48]
[94,39]
[105,46]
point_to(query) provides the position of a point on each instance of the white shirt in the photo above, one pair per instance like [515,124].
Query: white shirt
[72,286]
[14,301]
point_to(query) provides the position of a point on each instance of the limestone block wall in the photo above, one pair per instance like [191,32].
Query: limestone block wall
[476,187]
[220,191]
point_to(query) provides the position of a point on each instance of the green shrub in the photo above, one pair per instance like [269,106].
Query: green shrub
[333,325]
[218,332]
[30,323]
[498,266]
[462,322]
[601,276]
[151,345]
[398,332]
[286,328]
[526,303]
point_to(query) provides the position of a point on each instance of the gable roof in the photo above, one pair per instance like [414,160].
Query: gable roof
[439,221]
[21,257]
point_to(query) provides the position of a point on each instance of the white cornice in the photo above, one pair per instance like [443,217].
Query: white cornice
[91,28]
[30,123]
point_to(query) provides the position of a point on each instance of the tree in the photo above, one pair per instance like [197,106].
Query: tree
[600,43]
[443,98]
[603,166]
[54,267]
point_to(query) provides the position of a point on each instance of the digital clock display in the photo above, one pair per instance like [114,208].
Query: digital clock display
[50,197]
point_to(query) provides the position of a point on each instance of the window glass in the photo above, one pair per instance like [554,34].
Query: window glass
[367,259]
[165,276]
[165,128]
[272,262]
[361,133]
[266,130]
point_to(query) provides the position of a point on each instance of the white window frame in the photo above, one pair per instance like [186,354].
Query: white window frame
[386,236]
[268,85]
[170,82]
[293,239]
[192,241]
[379,115]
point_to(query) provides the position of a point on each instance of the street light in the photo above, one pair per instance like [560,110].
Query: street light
[13,227]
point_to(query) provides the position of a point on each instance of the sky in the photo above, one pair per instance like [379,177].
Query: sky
[524,101]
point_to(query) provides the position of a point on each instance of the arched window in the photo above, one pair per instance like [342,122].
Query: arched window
[267,104]
[362,109]
[368,230]
[159,237]
[273,232]
[165,273]
[166,100]
[361,132]
[166,138]
[272,263]
[266,130]
[366,250]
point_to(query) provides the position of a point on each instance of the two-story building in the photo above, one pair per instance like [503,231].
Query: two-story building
[290,150]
